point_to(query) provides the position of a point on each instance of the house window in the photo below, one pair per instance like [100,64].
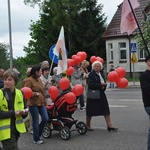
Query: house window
[122,49]
[142,54]
[110,46]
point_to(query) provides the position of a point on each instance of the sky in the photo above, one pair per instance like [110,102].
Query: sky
[21,16]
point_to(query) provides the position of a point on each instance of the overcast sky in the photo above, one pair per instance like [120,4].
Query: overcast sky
[21,16]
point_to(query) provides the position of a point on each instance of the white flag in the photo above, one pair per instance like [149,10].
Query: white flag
[60,51]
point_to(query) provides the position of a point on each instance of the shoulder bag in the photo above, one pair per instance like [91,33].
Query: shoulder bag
[93,94]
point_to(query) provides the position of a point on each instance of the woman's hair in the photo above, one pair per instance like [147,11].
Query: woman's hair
[45,69]
[11,73]
[85,62]
[55,69]
[97,62]
[34,69]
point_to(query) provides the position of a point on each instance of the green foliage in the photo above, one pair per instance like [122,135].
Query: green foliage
[146,33]
[4,56]
[83,23]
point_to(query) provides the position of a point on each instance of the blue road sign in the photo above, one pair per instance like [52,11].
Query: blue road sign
[133,47]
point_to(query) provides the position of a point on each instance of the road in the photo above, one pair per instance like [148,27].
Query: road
[127,113]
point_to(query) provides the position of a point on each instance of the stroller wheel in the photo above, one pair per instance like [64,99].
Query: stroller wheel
[65,133]
[47,131]
[81,128]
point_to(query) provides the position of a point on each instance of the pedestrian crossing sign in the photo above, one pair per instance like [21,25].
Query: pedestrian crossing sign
[133,47]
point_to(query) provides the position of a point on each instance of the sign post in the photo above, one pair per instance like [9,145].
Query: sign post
[133,58]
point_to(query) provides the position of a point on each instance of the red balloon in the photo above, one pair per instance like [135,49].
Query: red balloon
[122,83]
[100,59]
[92,59]
[83,55]
[73,56]
[69,62]
[73,62]
[78,89]
[27,92]
[121,71]
[70,98]
[77,59]
[69,71]
[64,83]
[112,76]
[53,92]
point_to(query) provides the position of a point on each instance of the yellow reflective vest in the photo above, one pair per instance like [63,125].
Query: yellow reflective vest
[5,130]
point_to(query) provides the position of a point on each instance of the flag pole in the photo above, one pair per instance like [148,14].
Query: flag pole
[139,28]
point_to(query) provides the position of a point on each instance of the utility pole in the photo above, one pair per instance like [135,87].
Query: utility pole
[10,36]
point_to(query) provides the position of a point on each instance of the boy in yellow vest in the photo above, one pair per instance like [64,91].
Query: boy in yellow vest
[12,107]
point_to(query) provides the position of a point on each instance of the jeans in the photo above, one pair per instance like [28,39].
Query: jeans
[147,109]
[38,127]
[81,99]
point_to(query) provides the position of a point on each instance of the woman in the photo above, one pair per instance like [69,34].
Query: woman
[97,107]
[84,66]
[37,103]
[46,80]
[12,107]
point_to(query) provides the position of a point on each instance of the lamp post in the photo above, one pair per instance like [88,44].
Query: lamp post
[10,36]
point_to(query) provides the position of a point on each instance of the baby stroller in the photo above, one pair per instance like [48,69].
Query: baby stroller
[60,119]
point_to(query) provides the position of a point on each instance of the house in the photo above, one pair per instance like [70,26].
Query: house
[121,48]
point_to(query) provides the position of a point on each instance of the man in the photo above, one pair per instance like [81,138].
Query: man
[145,87]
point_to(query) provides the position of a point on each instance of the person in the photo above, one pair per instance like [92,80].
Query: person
[15,69]
[1,77]
[145,89]
[27,76]
[45,63]
[12,110]
[28,119]
[111,83]
[76,78]
[37,103]
[98,107]
[84,65]
[47,82]
[56,78]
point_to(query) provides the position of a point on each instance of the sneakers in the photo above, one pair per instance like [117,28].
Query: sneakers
[82,108]
[38,142]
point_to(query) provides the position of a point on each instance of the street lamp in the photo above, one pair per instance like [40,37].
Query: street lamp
[10,37]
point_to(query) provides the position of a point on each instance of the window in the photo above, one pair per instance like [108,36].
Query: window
[110,45]
[122,49]
[142,54]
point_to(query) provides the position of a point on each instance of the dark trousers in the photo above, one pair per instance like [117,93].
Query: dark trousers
[10,144]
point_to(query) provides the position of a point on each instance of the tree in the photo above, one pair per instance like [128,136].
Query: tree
[146,33]
[4,57]
[83,22]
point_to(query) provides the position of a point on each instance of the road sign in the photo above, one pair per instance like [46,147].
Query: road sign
[133,47]
[133,58]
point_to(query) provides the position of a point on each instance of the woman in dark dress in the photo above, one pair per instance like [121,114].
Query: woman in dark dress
[98,107]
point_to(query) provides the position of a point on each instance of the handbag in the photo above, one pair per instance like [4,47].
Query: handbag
[93,94]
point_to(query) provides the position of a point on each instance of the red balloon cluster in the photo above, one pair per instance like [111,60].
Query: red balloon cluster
[27,92]
[118,77]
[94,58]
[75,59]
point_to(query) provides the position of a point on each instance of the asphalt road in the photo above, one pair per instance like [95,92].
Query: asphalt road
[127,113]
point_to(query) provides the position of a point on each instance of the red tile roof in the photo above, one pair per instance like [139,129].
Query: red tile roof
[113,29]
